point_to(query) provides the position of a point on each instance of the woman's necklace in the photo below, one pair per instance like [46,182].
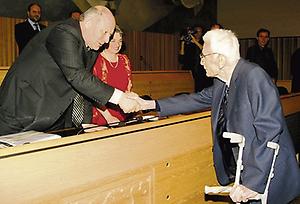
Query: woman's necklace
[109,58]
[116,63]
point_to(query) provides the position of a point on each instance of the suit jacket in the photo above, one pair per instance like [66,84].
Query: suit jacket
[44,79]
[264,57]
[24,32]
[295,71]
[254,111]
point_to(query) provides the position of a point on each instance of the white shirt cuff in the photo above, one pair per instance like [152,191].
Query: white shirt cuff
[115,98]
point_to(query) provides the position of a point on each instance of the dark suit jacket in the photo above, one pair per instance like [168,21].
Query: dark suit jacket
[295,71]
[24,32]
[264,57]
[41,84]
[254,111]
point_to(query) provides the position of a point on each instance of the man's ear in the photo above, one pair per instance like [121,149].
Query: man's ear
[222,61]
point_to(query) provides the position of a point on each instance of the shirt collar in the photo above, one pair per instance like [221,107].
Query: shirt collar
[32,24]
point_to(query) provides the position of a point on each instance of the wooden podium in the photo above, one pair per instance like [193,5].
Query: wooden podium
[166,161]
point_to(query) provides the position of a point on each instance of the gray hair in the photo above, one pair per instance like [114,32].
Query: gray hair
[223,42]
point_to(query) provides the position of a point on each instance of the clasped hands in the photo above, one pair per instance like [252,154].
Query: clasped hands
[131,102]
[240,193]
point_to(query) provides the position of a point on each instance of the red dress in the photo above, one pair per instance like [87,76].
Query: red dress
[116,74]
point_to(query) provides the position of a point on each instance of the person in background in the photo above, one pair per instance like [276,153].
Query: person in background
[263,55]
[51,86]
[191,61]
[75,14]
[243,100]
[25,31]
[115,70]
[295,71]
[216,26]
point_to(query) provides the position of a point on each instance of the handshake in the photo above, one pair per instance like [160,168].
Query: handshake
[131,102]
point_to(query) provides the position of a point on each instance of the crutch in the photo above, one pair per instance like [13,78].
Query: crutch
[237,138]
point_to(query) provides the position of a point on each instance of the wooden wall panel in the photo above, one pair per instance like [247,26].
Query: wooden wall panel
[152,51]
[147,51]
[8,48]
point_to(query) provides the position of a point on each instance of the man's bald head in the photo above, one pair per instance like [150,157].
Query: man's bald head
[97,25]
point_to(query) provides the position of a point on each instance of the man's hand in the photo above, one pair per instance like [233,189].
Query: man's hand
[146,104]
[240,193]
[128,102]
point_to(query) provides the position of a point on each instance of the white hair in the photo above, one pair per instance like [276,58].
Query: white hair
[223,42]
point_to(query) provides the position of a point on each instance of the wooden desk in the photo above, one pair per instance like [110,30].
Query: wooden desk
[290,103]
[167,161]
[286,84]
[160,162]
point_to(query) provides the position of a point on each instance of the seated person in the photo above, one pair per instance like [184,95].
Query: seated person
[113,69]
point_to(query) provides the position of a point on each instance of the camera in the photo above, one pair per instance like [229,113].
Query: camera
[187,35]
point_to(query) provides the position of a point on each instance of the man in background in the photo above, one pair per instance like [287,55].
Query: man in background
[295,71]
[263,55]
[192,49]
[75,14]
[25,31]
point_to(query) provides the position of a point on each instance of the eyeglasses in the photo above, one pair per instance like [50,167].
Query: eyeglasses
[202,56]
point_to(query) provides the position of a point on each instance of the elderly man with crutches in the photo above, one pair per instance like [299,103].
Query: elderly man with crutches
[243,100]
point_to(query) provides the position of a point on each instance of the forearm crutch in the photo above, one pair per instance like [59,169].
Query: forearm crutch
[240,140]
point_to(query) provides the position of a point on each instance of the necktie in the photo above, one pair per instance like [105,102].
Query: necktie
[78,110]
[36,26]
[225,145]
[221,125]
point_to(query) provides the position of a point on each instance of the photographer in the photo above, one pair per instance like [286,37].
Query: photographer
[191,48]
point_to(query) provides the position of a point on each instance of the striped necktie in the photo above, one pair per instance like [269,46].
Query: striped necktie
[225,145]
[78,110]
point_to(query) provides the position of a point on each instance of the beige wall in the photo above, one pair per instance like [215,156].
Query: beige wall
[244,17]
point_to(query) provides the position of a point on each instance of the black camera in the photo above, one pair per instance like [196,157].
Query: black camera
[187,35]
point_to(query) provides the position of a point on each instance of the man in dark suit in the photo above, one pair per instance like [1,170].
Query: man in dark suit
[295,71]
[30,27]
[262,55]
[252,108]
[40,90]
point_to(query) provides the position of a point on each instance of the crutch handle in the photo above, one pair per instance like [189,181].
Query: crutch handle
[234,137]
[217,189]
[226,190]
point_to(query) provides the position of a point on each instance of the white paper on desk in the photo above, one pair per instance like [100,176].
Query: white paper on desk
[26,137]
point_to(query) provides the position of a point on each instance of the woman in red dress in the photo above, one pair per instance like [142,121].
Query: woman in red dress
[113,69]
